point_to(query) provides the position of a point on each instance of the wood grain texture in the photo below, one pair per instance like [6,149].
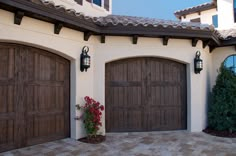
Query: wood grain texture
[34,96]
[145,94]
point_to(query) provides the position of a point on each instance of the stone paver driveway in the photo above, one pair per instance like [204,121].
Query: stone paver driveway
[178,143]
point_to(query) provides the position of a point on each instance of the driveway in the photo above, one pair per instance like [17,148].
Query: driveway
[177,143]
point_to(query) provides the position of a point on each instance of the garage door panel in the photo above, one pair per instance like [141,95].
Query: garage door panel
[6,99]
[121,115]
[60,71]
[119,68]
[8,135]
[129,120]
[155,119]
[134,120]
[153,95]
[34,96]
[7,132]
[7,65]
[134,70]
[134,97]
[60,98]
[156,96]
[170,119]
[45,125]
[44,67]
[157,69]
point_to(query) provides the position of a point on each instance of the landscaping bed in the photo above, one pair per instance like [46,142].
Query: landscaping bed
[93,140]
[226,134]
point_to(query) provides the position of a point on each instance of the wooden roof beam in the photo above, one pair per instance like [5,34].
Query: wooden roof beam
[211,48]
[87,35]
[194,42]
[103,38]
[57,28]
[165,40]
[18,17]
[206,43]
[135,39]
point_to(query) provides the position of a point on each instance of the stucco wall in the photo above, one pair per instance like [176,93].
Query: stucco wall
[225,11]
[70,42]
[219,55]
[225,14]
[87,8]
[205,16]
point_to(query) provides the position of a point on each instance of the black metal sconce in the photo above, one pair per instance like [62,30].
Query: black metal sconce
[198,63]
[84,59]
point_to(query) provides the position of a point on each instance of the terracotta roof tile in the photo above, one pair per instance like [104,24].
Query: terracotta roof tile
[138,23]
[115,20]
[199,8]
[226,34]
[51,4]
[118,20]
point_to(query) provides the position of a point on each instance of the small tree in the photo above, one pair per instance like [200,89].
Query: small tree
[222,108]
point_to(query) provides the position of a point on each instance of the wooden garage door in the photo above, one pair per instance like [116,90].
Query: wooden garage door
[34,96]
[145,94]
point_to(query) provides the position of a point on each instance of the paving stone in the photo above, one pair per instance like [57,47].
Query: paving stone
[176,143]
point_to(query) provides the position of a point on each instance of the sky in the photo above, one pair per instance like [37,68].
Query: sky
[161,9]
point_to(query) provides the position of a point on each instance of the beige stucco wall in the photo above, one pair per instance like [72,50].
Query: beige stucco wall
[87,8]
[225,14]
[219,55]
[92,83]
[225,11]
[205,16]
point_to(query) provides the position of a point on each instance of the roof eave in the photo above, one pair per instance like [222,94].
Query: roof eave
[56,16]
[180,13]
[48,14]
[229,42]
[156,32]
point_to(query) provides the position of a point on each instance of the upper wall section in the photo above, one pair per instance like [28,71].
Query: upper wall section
[204,17]
[88,7]
[224,9]
[226,14]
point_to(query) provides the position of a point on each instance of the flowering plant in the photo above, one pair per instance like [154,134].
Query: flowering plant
[91,116]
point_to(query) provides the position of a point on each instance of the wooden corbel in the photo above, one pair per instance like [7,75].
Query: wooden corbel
[18,17]
[135,39]
[165,40]
[57,28]
[87,35]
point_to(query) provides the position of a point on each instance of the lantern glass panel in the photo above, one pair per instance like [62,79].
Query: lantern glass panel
[199,64]
[86,61]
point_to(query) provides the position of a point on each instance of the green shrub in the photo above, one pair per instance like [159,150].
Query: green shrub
[222,108]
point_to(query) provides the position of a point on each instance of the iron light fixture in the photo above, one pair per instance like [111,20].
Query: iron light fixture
[198,63]
[84,59]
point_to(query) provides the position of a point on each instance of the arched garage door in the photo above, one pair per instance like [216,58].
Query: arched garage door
[34,96]
[145,94]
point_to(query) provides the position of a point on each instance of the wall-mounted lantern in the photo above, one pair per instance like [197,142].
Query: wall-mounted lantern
[198,63]
[84,59]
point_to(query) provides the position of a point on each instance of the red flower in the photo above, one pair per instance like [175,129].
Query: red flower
[102,107]
[97,104]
